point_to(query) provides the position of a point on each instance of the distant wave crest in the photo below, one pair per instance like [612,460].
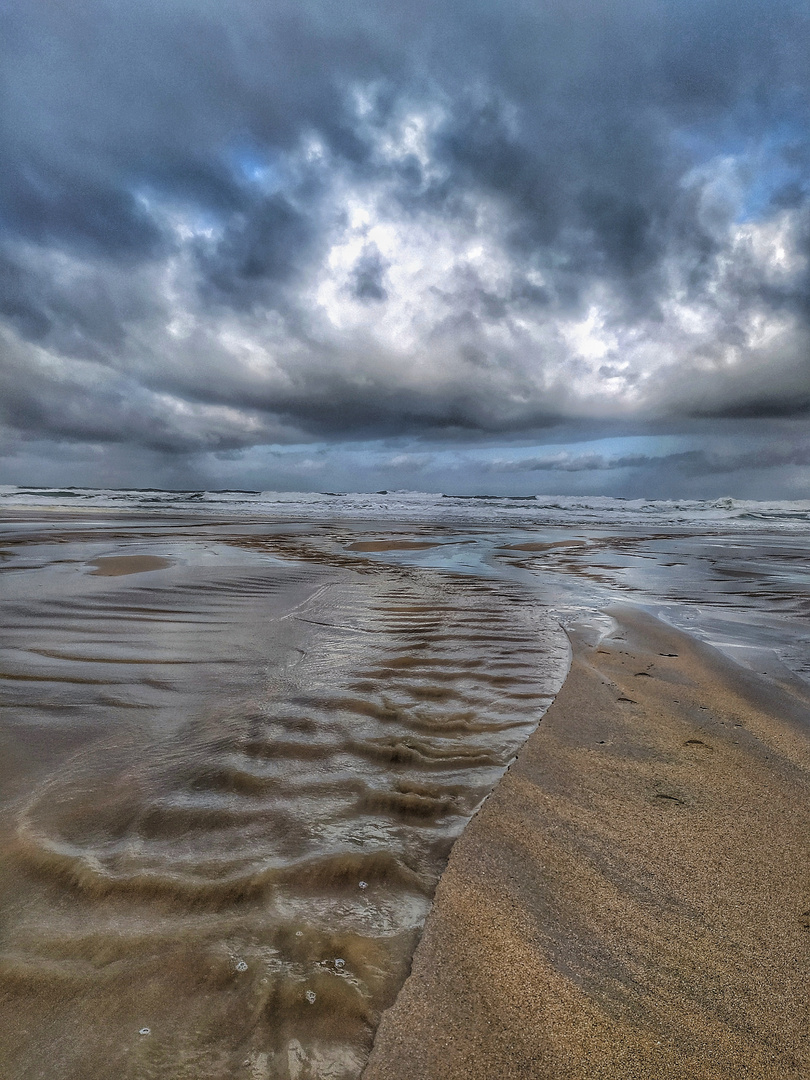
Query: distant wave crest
[404,506]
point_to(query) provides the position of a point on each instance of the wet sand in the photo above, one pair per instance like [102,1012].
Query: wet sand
[392,545]
[633,899]
[550,545]
[123,565]
[228,789]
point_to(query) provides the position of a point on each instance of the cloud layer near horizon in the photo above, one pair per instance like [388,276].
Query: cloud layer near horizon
[228,226]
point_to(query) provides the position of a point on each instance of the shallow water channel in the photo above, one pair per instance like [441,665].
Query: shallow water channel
[233,768]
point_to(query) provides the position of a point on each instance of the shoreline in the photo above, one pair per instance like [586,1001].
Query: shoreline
[573,933]
[633,898]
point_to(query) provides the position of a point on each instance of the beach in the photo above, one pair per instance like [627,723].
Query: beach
[632,900]
[404,535]
[244,748]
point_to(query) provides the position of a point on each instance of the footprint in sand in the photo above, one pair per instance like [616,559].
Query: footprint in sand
[699,744]
[667,797]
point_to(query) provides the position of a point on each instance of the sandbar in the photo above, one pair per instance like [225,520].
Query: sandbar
[549,545]
[119,565]
[392,545]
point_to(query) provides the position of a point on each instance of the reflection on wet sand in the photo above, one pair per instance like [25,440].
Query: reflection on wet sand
[229,790]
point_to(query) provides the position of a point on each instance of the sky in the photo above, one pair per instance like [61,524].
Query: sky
[507,247]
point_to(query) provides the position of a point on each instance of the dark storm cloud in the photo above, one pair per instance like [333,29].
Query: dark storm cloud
[262,245]
[232,224]
[368,276]
[688,463]
[590,462]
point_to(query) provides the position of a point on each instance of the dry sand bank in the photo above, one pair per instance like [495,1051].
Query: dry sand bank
[633,898]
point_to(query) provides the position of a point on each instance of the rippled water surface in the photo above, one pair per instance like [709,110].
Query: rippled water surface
[233,763]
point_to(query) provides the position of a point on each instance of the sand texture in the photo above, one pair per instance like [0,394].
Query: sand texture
[633,900]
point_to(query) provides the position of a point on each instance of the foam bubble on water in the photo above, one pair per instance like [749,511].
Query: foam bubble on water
[310,996]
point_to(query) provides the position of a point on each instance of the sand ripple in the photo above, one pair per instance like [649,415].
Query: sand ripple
[250,782]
